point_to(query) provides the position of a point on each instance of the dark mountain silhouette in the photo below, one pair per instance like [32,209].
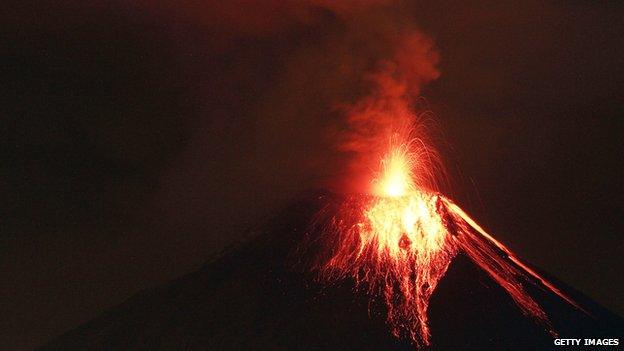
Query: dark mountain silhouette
[256,296]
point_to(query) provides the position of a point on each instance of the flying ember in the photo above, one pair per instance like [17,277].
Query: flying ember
[399,242]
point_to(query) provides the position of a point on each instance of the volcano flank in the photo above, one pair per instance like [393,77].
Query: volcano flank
[260,295]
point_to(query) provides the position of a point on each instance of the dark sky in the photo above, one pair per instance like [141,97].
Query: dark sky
[138,140]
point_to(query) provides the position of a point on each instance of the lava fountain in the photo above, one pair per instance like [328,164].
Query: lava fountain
[399,240]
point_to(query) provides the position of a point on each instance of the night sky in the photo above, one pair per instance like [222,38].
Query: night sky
[139,140]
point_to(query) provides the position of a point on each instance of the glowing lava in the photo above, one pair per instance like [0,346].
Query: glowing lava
[397,177]
[399,242]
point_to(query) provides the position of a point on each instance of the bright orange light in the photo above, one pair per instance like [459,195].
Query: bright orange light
[396,178]
[398,227]
[403,219]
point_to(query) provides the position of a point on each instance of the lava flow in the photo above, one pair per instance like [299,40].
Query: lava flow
[399,241]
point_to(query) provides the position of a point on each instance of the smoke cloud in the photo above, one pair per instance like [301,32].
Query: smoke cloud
[291,95]
[202,113]
[340,76]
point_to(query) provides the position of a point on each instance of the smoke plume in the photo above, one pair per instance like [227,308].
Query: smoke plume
[292,94]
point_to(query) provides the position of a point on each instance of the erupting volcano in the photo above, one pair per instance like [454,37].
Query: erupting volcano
[399,240]
[288,146]
[398,243]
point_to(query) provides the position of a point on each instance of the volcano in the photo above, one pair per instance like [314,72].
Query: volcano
[260,295]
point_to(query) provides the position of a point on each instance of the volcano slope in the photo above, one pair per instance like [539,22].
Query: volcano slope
[259,296]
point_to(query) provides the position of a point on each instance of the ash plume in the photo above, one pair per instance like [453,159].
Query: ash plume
[324,84]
